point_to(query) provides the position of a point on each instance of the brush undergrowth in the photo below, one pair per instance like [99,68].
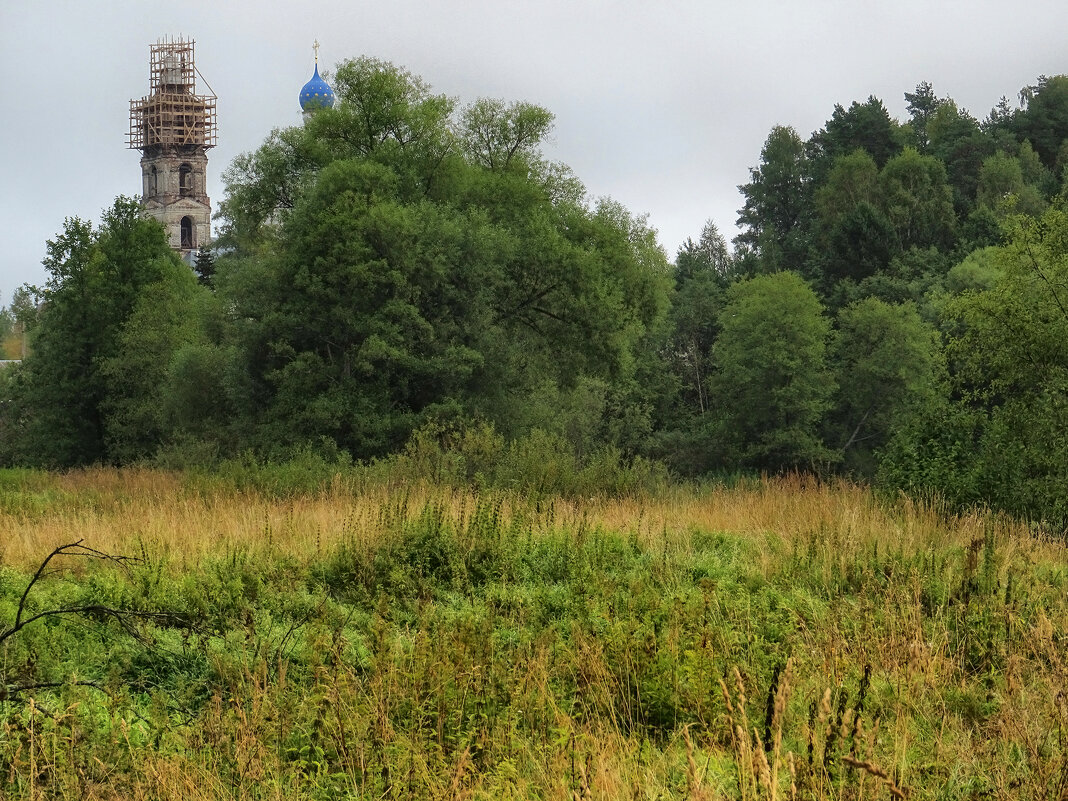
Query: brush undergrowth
[773,640]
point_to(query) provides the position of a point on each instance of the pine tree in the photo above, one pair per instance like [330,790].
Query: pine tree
[205,266]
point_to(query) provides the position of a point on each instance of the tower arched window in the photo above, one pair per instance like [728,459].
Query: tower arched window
[185,180]
[188,234]
[153,182]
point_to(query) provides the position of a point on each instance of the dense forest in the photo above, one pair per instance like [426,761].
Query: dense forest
[403,269]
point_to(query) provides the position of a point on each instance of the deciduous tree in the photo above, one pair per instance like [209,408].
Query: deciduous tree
[917,200]
[771,385]
[95,277]
[431,263]
[888,363]
[1004,439]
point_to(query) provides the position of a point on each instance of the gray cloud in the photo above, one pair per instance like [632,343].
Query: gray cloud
[663,106]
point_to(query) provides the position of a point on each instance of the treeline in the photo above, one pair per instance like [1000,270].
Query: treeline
[894,307]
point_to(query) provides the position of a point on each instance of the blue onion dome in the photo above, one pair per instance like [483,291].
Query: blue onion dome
[316,93]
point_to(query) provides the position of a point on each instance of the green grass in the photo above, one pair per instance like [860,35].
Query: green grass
[473,646]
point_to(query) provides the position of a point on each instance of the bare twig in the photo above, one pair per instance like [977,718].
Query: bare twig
[70,549]
[124,617]
[856,431]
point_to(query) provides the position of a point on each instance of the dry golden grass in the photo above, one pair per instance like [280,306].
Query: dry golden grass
[125,510]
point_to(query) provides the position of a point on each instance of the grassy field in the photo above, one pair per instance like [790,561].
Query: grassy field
[777,639]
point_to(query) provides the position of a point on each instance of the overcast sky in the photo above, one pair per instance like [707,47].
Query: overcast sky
[663,106]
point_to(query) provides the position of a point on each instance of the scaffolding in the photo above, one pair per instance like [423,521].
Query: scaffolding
[173,114]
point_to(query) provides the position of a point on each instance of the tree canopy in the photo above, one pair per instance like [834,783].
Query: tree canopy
[57,415]
[427,260]
[404,265]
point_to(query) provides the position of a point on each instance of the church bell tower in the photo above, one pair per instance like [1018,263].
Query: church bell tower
[173,127]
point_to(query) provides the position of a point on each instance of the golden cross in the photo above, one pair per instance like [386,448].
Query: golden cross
[315,47]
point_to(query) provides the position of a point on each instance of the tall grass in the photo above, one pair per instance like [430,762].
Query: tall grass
[783,638]
[192,515]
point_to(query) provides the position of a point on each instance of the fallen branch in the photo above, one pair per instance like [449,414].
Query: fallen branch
[70,549]
[124,617]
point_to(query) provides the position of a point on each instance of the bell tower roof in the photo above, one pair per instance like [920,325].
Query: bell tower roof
[316,93]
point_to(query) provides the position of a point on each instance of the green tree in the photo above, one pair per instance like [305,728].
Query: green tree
[262,186]
[922,105]
[7,321]
[917,201]
[863,126]
[500,136]
[1033,171]
[205,266]
[980,229]
[979,271]
[771,386]
[207,399]
[708,255]
[702,271]
[1003,439]
[431,263]
[915,276]
[853,180]
[1000,125]
[169,314]
[1002,188]
[1044,120]
[694,325]
[960,144]
[858,239]
[775,218]
[888,363]
[10,345]
[24,308]
[95,278]
[1000,177]
[19,318]
[860,244]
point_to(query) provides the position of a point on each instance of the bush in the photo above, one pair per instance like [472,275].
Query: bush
[540,463]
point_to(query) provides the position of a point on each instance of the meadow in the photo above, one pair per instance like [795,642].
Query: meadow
[367,635]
